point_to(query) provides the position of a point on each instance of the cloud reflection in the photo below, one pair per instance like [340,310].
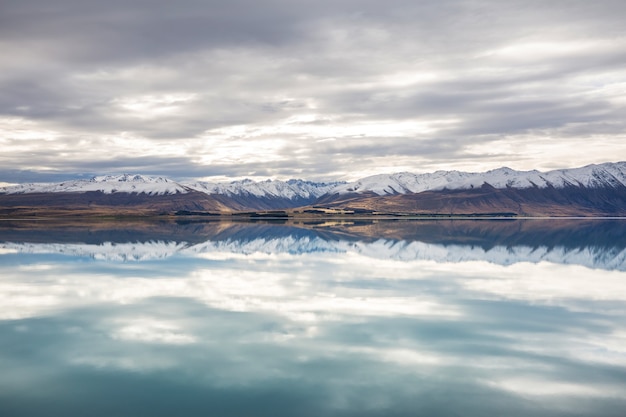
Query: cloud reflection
[345,332]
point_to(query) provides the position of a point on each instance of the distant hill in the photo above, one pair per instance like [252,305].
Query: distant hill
[593,190]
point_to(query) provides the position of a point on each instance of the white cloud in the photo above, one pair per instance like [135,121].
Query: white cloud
[418,86]
[150,330]
[233,313]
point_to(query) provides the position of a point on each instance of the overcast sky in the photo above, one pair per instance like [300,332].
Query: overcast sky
[308,89]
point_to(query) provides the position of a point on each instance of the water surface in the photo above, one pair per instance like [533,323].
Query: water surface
[399,318]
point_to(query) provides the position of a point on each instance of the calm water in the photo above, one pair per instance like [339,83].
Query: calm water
[454,318]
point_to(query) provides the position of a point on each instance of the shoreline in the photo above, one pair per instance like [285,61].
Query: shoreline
[290,218]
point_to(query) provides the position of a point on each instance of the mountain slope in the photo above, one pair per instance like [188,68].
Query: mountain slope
[269,194]
[106,184]
[609,175]
[127,189]
[570,201]
[594,190]
[118,203]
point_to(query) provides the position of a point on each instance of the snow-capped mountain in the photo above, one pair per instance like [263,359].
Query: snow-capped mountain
[593,190]
[292,189]
[140,184]
[131,191]
[609,175]
[592,176]
[107,184]
[266,195]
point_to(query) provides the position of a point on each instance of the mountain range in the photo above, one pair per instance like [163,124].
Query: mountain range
[593,190]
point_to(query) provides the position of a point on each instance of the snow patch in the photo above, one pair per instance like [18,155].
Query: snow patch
[591,176]
[610,175]
[107,184]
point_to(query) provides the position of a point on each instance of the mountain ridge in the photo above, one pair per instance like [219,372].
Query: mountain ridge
[592,190]
[594,175]
[609,174]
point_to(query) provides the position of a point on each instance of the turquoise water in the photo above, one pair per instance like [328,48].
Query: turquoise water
[471,318]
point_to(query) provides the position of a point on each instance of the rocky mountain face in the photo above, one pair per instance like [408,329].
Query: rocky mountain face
[608,175]
[102,195]
[106,184]
[163,194]
[594,190]
[487,200]
[267,195]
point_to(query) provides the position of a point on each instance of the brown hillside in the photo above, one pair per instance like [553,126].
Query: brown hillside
[572,201]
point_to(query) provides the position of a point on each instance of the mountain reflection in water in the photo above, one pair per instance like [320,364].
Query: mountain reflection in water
[592,243]
[389,318]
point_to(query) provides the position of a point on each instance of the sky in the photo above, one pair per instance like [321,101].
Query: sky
[321,90]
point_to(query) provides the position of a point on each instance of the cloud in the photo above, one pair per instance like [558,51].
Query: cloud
[276,77]
[236,322]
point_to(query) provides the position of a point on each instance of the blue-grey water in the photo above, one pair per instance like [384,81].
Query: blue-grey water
[397,318]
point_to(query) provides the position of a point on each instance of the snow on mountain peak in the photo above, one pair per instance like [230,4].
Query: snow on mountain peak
[292,189]
[590,176]
[107,184]
[128,178]
[135,183]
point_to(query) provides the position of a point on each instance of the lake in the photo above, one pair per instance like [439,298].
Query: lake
[313,318]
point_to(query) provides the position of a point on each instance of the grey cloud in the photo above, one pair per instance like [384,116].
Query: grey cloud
[28,176]
[240,359]
[250,63]
[173,167]
[483,107]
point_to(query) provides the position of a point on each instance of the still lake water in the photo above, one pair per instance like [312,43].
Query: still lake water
[394,318]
